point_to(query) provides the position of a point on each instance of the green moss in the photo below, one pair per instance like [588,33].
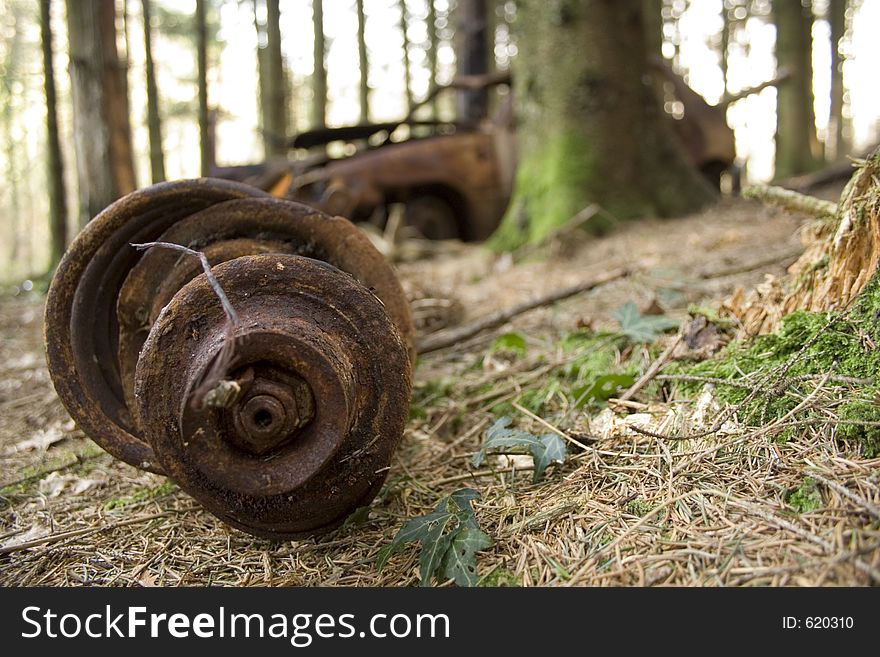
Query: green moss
[500,577]
[806,497]
[847,344]
[165,488]
[638,507]
[552,185]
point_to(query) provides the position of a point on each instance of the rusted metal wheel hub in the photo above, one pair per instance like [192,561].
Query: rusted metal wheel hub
[317,383]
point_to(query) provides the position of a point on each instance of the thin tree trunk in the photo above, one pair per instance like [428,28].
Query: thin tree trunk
[104,162]
[797,146]
[12,177]
[273,89]
[473,58]
[205,155]
[55,164]
[363,63]
[724,46]
[407,71]
[154,120]
[836,136]
[319,75]
[433,45]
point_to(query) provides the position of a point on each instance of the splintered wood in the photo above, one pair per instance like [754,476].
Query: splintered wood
[840,257]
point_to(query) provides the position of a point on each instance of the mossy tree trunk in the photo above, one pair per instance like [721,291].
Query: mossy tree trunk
[797,146]
[590,127]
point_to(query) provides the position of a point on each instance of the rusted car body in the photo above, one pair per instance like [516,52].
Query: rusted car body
[454,180]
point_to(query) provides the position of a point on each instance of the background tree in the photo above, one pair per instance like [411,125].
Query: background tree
[104,162]
[54,161]
[590,129]
[205,146]
[431,55]
[407,70]
[837,142]
[797,146]
[154,121]
[363,63]
[473,56]
[319,74]
[273,86]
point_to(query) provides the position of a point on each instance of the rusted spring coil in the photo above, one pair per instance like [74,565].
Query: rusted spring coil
[321,359]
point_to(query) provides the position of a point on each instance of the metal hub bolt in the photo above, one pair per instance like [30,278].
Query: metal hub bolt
[272,410]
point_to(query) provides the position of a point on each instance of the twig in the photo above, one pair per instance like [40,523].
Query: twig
[213,377]
[449,337]
[652,371]
[848,494]
[555,430]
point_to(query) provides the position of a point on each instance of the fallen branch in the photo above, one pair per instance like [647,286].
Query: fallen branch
[791,201]
[449,337]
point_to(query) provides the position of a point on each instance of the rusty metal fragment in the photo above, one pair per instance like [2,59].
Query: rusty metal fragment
[312,405]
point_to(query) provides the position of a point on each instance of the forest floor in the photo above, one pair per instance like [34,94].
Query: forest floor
[736,506]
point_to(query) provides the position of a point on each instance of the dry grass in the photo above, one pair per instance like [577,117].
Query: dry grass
[631,509]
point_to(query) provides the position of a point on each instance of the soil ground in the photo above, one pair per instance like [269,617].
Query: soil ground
[630,509]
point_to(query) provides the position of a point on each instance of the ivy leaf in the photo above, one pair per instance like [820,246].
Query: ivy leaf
[641,328]
[551,449]
[460,559]
[499,437]
[450,537]
[434,546]
[546,449]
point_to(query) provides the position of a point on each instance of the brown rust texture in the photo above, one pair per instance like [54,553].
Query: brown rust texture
[305,319]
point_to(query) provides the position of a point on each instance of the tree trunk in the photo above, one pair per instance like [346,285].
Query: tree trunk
[154,121]
[407,72]
[433,45]
[836,137]
[363,62]
[102,137]
[273,89]
[205,154]
[590,127]
[55,165]
[12,179]
[724,46]
[319,75]
[797,146]
[473,57]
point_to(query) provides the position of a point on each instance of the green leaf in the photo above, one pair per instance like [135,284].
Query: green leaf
[545,449]
[414,530]
[602,389]
[460,560]
[499,437]
[452,525]
[641,328]
[551,449]
[512,342]
[434,547]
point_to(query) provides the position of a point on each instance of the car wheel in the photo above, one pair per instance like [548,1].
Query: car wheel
[433,217]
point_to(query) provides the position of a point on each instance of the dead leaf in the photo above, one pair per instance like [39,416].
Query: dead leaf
[42,439]
[54,484]
[36,531]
